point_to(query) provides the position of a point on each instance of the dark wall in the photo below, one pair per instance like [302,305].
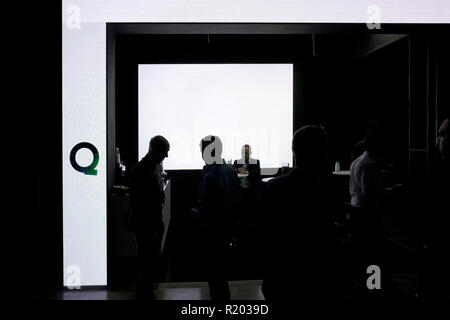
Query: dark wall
[343,93]
[42,105]
[443,76]
[441,94]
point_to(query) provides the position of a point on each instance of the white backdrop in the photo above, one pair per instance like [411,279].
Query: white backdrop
[240,103]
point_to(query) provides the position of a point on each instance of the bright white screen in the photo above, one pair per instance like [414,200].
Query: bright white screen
[241,103]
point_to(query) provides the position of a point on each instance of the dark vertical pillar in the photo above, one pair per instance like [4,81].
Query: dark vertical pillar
[433,67]
[442,80]
[44,157]
[422,109]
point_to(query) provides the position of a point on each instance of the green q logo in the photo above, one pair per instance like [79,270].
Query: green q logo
[90,170]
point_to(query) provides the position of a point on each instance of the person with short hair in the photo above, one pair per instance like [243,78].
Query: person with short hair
[366,192]
[372,127]
[249,173]
[146,203]
[248,166]
[217,209]
[299,235]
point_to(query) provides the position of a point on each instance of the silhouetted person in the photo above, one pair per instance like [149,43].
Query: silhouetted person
[299,232]
[434,282]
[372,127]
[366,191]
[217,209]
[250,179]
[146,201]
[248,165]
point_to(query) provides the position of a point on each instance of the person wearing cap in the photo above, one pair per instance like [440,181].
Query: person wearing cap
[146,202]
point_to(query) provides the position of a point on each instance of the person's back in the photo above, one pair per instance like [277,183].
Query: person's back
[364,181]
[219,195]
[365,188]
[217,209]
[146,195]
[299,237]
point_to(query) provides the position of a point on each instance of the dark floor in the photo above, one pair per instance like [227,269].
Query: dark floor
[183,270]
[240,290]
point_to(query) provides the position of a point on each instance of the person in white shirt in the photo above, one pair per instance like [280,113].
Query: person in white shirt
[365,181]
[366,190]
[365,175]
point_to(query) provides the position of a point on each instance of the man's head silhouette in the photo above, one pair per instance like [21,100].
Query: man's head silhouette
[158,148]
[309,147]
